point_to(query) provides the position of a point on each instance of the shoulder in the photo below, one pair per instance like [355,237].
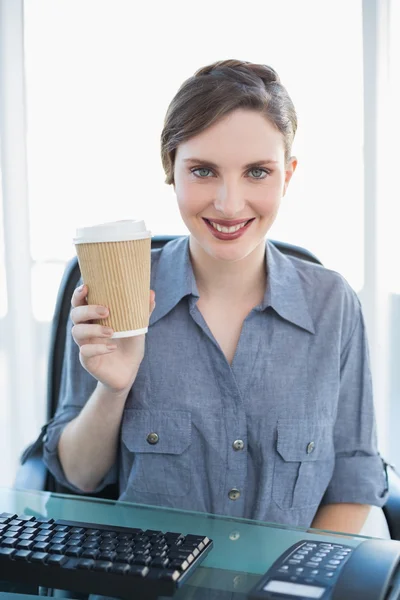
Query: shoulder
[328,294]
[169,264]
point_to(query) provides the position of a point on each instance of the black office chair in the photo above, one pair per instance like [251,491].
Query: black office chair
[33,473]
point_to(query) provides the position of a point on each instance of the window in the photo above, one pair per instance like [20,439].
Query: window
[99,77]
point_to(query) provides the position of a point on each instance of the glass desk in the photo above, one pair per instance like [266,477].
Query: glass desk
[243,549]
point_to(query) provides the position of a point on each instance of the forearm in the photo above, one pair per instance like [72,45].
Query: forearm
[345,518]
[88,445]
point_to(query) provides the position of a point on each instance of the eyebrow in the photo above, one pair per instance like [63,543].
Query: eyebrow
[201,161]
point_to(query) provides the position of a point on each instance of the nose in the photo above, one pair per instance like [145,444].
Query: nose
[229,200]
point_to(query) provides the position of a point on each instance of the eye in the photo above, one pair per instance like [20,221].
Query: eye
[202,172]
[258,173]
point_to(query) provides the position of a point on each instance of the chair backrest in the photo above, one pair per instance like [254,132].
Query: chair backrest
[63,306]
[58,336]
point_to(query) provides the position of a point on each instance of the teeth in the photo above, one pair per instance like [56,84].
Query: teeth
[228,229]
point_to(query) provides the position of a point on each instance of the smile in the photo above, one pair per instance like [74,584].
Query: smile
[227,232]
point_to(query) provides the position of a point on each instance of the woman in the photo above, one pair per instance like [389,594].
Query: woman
[251,395]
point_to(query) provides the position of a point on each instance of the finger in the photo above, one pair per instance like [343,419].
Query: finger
[152,301]
[91,350]
[83,332]
[88,312]
[79,296]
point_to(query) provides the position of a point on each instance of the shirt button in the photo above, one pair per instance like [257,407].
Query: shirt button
[152,438]
[310,447]
[234,494]
[238,445]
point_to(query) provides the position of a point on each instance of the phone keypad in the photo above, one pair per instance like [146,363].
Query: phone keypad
[314,563]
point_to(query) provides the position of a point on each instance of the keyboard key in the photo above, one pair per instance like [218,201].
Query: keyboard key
[125,557]
[142,560]
[125,537]
[90,545]
[193,551]
[57,548]
[26,536]
[120,568]
[107,556]
[60,535]
[169,575]
[57,560]
[7,552]
[160,562]
[22,555]
[25,545]
[90,553]
[102,565]
[181,556]
[74,551]
[46,526]
[162,554]
[181,565]
[138,571]
[85,563]
[9,543]
[6,517]
[61,528]
[16,522]
[39,557]
[41,546]
[44,520]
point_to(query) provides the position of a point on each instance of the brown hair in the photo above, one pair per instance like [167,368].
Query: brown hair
[218,89]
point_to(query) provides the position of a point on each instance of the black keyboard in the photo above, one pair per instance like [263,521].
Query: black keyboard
[97,559]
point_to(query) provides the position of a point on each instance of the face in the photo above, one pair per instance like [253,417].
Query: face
[229,181]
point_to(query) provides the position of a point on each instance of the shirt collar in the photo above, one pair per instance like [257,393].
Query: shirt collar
[173,279]
[284,292]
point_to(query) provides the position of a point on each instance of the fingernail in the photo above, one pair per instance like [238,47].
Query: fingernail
[80,288]
[102,311]
[111,347]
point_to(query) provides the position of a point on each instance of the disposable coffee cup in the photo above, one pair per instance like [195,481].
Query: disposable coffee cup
[114,259]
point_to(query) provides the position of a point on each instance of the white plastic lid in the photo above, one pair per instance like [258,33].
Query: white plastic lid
[118,231]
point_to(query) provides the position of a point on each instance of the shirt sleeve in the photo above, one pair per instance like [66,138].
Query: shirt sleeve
[359,474]
[77,385]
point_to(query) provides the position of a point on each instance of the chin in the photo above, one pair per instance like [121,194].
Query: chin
[228,251]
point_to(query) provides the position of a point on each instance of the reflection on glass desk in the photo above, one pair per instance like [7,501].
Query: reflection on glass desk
[243,549]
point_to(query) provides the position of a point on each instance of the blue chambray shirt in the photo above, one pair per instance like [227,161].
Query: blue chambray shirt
[298,396]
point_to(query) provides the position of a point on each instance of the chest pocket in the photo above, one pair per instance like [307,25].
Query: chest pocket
[304,461]
[158,450]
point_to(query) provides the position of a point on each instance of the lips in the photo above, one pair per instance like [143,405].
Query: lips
[225,236]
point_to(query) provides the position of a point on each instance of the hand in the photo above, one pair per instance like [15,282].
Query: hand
[113,362]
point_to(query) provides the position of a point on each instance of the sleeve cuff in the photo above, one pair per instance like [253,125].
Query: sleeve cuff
[358,480]
[51,460]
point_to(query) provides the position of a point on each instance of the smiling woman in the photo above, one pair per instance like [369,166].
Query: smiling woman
[251,394]
[235,191]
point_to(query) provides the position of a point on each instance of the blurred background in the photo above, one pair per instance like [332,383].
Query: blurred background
[84,87]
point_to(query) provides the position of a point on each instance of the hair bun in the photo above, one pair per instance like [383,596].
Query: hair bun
[267,74]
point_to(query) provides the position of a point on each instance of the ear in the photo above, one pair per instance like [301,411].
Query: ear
[290,169]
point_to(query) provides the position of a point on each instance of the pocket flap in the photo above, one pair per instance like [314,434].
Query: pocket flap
[304,440]
[171,431]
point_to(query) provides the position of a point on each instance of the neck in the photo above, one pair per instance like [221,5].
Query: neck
[242,280]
